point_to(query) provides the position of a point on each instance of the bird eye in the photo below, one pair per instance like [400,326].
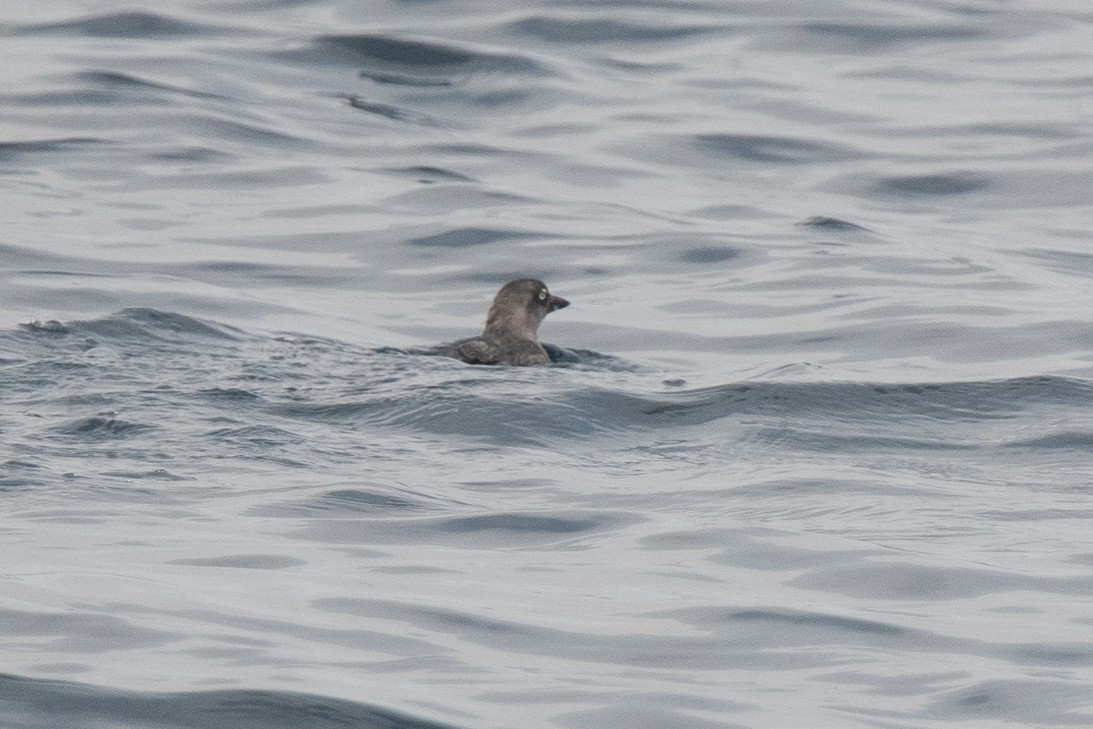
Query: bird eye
[542,295]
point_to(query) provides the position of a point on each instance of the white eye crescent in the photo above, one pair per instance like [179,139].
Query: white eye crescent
[542,295]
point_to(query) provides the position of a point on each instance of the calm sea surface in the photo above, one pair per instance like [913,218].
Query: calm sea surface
[817,450]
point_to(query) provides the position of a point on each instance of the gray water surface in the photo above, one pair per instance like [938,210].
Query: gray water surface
[817,450]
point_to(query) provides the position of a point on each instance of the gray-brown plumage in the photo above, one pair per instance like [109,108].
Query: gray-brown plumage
[512,326]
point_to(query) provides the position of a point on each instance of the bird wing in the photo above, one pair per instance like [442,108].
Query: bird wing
[476,351]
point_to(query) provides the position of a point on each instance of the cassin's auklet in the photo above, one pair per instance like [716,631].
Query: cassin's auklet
[510,336]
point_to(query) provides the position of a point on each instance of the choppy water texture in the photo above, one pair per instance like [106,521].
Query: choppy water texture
[817,450]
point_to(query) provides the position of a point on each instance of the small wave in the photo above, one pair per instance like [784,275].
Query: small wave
[952,183]
[402,51]
[1016,702]
[1078,441]
[154,325]
[597,30]
[824,622]
[896,580]
[263,435]
[103,427]
[230,394]
[824,222]
[426,173]
[392,111]
[472,236]
[242,561]
[157,474]
[955,400]
[36,703]
[865,35]
[405,79]
[550,406]
[11,151]
[115,80]
[123,25]
[17,474]
[346,502]
[50,326]
[518,524]
[402,59]
[715,149]
[475,531]
[708,254]
[1068,262]
[825,441]
[766,148]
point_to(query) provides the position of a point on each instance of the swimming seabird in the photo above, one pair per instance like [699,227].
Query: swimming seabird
[511,333]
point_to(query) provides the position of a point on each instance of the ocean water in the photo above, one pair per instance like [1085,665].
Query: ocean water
[817,449]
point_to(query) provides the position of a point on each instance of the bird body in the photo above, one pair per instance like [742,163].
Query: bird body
[511,334]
